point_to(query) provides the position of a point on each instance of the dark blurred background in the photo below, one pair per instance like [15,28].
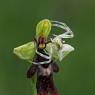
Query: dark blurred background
[18,19]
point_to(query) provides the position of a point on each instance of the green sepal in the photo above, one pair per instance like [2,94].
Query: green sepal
[33,81]
[43,28]
[26,51]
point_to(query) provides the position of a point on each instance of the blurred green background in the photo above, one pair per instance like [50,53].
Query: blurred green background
[18,19]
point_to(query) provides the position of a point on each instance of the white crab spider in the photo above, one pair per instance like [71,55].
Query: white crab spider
[64,48]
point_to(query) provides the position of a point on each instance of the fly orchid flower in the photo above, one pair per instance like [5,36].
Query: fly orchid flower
[43,55]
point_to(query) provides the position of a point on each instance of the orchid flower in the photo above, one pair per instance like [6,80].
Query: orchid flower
[43,55]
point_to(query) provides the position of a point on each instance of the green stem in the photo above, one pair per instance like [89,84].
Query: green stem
[34,90]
